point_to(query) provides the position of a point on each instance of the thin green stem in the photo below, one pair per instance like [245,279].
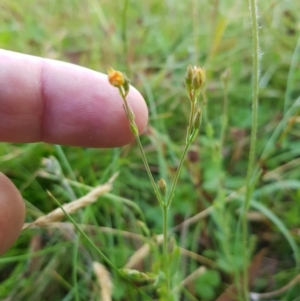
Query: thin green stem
[255,94]
[161,202]
[224,119]
[124,33]
[132,122]
[170,198]
[100,253]
[74,270]
[192,113]
[164,204]
[192,96]
[165,209]
[249,188]
[165,247]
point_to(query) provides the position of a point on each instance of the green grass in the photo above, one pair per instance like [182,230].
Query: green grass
[154,41]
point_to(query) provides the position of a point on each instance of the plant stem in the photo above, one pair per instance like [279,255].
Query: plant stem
[74,270]
[224,119]
[170,197]
[137,138]
[164,204]
[171,194]
[249,188]
[161,202]
[192,113]
[124,34]
[165,210]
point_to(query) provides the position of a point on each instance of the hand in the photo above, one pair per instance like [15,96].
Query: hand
[55,102]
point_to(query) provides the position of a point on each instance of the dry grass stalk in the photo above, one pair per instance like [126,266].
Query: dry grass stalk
[201,270]
[197,257]
[57,214]
[206,212]
[257,296]
[137,257]
[35,246]
[104,281]
[141,253]
[69,228]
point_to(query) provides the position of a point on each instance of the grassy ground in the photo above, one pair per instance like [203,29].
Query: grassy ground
[154,41]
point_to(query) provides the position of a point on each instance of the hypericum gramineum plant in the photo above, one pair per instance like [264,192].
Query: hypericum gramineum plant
[194,81]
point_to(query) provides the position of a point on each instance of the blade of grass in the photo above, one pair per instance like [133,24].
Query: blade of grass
[281,227]
[74,267]
[100,253]
[294,66]
[251,160]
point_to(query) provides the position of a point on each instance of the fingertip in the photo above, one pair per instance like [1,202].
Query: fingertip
[83,109]
[12,213]
[61,103]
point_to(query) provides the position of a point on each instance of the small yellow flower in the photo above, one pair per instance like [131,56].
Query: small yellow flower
[115,78]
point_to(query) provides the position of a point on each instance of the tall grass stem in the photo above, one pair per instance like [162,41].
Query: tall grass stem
[124,33]
[251,161]
[165,210]
[74,269]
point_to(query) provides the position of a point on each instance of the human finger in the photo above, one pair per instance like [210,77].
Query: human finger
[56,102]
[12,213]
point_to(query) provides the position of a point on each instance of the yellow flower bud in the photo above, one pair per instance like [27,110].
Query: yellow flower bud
[225,77]
[197,120]
[189,76]
[136,275]
[134,129]
[126,84]
[116,78]
[198,78]
[162,186]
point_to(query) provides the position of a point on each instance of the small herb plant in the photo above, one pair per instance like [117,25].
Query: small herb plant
[194,81]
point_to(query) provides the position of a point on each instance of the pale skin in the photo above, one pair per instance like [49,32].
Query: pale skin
[55,102]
